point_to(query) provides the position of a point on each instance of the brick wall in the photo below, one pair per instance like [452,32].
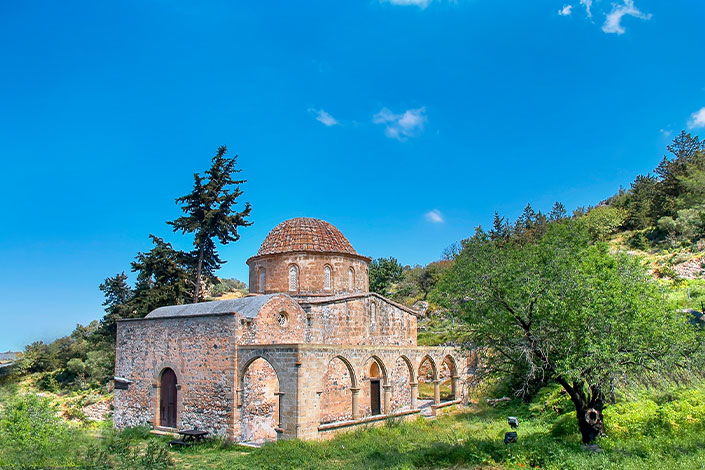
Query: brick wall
[200,350]
[310,273]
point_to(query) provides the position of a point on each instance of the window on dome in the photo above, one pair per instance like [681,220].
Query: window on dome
[293,278]
[326,278]
[262,279]
[351,279]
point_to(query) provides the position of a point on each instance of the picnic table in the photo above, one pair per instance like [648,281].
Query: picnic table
[189,437]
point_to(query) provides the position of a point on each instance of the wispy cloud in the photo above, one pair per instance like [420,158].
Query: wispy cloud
[434,216]
[402,126]
[613,22]
[697,119]
[419,3]
[666,132]
[324,118]
[566,10]
[588,7]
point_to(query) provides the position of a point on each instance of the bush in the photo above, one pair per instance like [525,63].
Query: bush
[32,435]
[603,221]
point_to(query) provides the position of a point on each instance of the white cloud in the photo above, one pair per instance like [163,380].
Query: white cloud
[324,118]
[419,3]
[402,126]
[613,22]
[434,216]
[588,5]
[697,119]
[665,132]
[566,10]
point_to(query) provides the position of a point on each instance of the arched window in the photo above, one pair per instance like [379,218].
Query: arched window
[262,279]
[326,278]
[351,279]
[293,278]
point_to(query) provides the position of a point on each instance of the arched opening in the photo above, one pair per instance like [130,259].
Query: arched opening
[260,413]
[167,399]
[351,279]
[427,383]
[401,381]
[326,277]
[261,281]
[375,392]
[293,278]
[336,398]
[448,376]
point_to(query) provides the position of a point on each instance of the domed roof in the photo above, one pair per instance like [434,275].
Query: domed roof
[305,234]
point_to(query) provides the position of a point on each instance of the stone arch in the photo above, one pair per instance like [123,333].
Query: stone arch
[339,391]
[260,405]
[327,277]
[374,387]
[427,378]
[293,277]
[168,398]
[448,376]
[403,386]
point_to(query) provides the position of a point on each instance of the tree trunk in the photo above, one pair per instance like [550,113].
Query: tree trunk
[197,291]
[590,421]
[587,408]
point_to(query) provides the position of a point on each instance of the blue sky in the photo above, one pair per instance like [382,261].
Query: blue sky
[405,123]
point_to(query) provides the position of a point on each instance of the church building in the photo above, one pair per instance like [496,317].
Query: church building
[308,353]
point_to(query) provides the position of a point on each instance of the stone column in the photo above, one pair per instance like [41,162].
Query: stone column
[414,394]
[355,403]
[387,399]
[454,386]
[437,392]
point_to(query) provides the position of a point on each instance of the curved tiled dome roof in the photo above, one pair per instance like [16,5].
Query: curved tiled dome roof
[305,234]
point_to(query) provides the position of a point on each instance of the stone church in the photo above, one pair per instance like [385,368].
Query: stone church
[310,352]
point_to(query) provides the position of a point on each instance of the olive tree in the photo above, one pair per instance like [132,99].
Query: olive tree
[561,309]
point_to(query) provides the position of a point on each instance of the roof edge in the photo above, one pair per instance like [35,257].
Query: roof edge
[367,259]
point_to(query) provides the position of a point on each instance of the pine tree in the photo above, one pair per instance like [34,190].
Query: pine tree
[210,215]
[558,212]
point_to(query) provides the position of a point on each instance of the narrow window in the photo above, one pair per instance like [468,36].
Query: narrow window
[351,279]
[373,315]
[293,278]
[262,279]
[326,278]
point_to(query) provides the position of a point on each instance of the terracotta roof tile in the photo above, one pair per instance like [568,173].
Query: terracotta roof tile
[305,234]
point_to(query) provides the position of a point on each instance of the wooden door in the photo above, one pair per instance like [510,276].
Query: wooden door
[167,399]
[375,397]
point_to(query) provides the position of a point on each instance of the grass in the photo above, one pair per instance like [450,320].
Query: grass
[653,431]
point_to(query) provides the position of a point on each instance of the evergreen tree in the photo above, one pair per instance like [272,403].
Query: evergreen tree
[558,212]
[500,228]
[210,214]
[117,294]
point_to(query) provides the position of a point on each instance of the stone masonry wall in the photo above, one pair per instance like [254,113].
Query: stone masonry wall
[310,269]
[200,350]
[353,321]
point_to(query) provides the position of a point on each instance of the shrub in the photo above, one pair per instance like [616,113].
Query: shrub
[31,434]
[603,221]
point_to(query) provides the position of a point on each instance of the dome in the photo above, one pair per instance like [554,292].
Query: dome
[305,234]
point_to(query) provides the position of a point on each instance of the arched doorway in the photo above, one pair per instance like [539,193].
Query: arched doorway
[402,390]
[449,380]
[260,414]
[375,390]
[167,399]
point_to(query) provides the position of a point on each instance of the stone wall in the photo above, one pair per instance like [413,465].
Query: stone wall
[200,350]
[259,416]
[310,273]
[363,319]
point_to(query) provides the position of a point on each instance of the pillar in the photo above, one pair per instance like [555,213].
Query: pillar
[437,392]
[355,403]
[454,386]
[414,394]
[387,399]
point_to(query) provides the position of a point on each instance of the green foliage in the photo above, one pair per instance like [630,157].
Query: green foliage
[565,310]
[31,434]
[211,215]
[383,273]
[603,221]
[224,286]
